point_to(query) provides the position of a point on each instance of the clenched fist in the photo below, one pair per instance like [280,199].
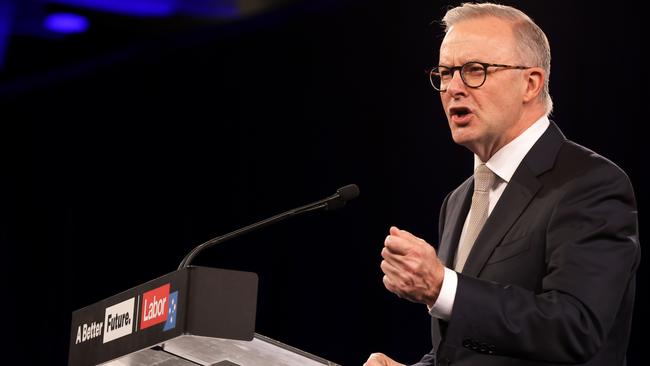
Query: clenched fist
[411,267]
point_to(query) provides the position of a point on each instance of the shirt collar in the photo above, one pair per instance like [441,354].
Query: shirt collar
[505,161]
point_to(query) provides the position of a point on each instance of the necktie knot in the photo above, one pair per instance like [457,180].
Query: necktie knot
[483,178]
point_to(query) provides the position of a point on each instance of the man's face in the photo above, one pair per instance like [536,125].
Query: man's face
[483,119]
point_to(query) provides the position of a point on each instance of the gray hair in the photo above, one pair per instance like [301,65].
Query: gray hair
[533,44]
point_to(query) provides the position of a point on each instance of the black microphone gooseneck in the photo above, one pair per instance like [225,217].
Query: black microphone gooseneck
[337,200]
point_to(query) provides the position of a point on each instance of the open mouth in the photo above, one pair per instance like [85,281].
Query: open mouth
[459,111]
[460,116]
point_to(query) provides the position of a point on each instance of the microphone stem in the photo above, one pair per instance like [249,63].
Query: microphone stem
[279,217]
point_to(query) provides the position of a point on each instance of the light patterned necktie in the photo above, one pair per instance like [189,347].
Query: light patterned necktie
[478,213]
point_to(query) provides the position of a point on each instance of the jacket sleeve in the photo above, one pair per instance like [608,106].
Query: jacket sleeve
[428,360]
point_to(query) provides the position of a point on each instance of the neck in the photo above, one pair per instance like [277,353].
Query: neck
[486,149]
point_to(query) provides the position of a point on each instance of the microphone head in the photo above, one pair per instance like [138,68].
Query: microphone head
[348,192]
[342,195]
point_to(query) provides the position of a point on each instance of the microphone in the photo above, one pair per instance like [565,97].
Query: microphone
[333,202]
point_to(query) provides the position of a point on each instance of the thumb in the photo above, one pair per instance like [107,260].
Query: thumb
[394,231]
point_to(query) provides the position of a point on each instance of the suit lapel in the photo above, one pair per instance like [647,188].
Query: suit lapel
[459,204]
[512,203]
[521,189]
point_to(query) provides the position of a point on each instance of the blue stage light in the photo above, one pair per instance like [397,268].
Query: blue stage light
[66,23]
[153,8]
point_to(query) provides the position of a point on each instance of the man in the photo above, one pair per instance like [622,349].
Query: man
[538,250]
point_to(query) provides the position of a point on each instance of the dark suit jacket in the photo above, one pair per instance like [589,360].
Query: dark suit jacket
[550,279]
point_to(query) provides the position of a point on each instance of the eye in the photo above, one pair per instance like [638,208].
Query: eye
[444,73]
[473,69]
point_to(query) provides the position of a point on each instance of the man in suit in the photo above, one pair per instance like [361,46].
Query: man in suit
[538,250]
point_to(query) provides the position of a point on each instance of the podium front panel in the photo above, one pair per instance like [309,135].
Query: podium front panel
[201,301]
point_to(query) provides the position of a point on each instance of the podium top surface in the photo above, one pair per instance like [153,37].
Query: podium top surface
[192,351]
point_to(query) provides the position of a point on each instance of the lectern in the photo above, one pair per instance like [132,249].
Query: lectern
[193,316]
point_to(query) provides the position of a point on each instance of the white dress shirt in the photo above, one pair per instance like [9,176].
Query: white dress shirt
[503,163]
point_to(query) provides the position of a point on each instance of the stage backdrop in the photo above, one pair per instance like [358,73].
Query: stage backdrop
[127,145]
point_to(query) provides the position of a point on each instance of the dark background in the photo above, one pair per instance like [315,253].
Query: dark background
[124,147]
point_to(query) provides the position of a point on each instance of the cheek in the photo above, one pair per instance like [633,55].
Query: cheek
[507,97]
[491,106]
[445,102]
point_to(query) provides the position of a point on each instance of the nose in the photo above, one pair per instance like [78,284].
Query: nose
[456,85]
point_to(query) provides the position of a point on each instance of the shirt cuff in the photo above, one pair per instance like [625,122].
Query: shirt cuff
[441,309]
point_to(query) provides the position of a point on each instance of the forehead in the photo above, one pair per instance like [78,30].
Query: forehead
[485,39]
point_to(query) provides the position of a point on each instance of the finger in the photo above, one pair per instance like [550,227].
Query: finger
[399,261]
[388,254]
[392,278]
[394,230]
[389,285]
[393,285]
[410,237]
[375,359]
[399,245]
[407,235]
[395,282]
[390,270]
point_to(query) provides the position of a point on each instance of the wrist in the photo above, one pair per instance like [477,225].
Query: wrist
[439,278]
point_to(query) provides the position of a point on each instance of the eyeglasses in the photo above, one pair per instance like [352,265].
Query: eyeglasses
[472,73]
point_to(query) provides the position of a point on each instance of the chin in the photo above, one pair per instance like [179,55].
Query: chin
[461,136]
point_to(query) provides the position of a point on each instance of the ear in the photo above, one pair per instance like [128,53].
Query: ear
[534,83]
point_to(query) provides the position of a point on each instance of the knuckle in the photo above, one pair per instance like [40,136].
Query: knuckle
[384,252]
[386,281]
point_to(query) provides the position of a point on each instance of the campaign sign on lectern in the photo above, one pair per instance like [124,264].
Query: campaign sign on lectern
[193,316]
